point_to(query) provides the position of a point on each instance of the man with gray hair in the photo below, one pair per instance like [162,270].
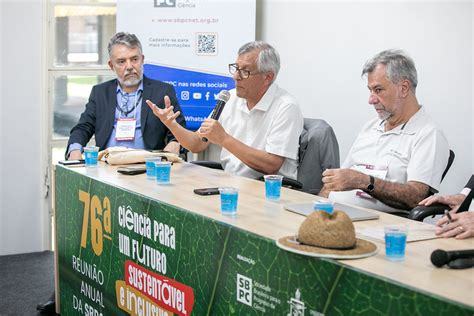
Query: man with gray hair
[116,112]
[260,125]
[398,158]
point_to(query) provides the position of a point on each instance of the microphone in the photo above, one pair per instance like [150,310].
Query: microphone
[440,257]
[222,99]
[461,263]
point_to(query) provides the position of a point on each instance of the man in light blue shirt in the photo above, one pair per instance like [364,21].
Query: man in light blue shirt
[116,113]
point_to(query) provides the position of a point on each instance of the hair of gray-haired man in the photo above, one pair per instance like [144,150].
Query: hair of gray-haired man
[268,59]
[399,66]
[124,38]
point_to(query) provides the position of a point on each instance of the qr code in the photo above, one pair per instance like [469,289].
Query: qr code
[206,44]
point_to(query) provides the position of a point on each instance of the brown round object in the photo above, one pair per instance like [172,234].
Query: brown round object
[322,229]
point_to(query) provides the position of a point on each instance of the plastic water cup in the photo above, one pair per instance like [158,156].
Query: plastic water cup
[395,241]
[150,167]
[273,186]
[91,153]
[229,197]
[162,172]
[323,205]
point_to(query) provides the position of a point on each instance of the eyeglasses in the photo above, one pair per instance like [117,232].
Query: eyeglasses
[243,73]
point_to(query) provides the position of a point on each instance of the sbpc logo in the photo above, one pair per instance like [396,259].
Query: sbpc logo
[165,3]
[244,290]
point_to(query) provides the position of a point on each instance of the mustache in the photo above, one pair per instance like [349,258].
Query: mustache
[379,106]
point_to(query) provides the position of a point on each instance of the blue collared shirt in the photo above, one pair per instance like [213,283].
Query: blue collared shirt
[129,105]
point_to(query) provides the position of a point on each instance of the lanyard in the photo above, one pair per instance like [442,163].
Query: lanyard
[124,109]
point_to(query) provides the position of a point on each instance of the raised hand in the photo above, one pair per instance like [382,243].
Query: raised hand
[167,116]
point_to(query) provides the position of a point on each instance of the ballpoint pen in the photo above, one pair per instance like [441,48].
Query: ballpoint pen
[446,212]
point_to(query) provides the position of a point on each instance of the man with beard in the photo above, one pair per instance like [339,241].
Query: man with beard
[116,112]
[117,115]
[397,159]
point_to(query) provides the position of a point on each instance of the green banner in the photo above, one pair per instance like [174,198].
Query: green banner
[121,253]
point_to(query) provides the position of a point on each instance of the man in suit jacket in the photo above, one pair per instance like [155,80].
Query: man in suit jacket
[116,112]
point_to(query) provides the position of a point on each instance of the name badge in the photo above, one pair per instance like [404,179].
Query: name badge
[125,129]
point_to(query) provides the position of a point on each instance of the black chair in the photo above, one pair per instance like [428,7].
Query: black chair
[421,212]
[318,151]
[208,164]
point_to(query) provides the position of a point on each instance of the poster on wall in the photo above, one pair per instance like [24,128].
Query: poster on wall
[189,44]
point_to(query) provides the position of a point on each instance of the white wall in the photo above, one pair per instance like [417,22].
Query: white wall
[23,218]
[324,44]
[1,121]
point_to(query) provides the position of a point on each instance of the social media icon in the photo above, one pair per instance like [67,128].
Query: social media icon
[197,96]
[184,95]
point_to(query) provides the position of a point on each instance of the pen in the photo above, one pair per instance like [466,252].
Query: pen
[446,212]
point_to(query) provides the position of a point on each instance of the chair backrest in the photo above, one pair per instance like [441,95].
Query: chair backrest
[450,162]
[318,151]
[421,212]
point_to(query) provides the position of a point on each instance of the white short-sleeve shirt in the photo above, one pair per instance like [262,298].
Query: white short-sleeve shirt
[273,125]
[415,151]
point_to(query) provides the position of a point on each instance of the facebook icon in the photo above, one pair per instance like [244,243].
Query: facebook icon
[165,3]
[207,96]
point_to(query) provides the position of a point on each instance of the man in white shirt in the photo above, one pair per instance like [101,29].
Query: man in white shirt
[398,158]
[260,125]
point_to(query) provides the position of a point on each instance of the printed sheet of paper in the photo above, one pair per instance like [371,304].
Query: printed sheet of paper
[415,231]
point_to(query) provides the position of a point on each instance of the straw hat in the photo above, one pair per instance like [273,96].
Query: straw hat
[328,235]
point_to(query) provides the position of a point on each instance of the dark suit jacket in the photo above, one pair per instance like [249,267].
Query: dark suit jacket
[467,201]
[470,183]
[99,115]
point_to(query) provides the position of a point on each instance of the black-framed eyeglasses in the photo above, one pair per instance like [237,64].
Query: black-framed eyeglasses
[243,73]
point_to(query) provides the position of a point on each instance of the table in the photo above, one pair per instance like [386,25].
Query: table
[126,245]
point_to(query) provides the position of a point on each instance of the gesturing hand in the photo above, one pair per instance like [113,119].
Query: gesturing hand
[166,115]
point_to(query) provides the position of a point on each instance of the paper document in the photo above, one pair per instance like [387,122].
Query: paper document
[415,231]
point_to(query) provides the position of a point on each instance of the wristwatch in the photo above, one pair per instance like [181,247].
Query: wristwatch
[371,186]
